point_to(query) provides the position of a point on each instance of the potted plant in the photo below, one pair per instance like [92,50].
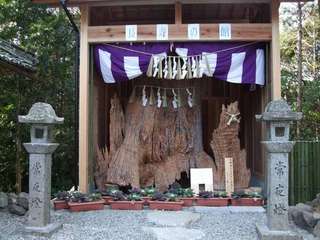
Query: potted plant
[147,194]
[108,194]
[213,199]
[187,196]
[242,198]
[61,200]
[83,202]
[169,202]
[132,202]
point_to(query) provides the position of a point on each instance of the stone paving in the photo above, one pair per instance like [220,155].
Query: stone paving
[197,223]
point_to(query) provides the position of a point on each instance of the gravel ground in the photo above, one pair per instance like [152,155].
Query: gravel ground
[127,225]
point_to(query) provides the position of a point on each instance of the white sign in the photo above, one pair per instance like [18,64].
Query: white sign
[193,31]
[201,177]
[228,166]
[131,33]
[162,32]
[225,31]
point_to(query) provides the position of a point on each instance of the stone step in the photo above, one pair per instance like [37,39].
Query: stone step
[174,233]
[172,219]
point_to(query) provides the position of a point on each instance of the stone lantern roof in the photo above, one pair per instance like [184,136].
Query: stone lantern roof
[41,113]
[279,110]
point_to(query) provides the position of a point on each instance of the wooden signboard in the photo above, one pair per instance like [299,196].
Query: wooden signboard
[228,164]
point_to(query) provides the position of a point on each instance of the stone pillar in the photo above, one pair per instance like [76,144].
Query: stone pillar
[42,117]
[278,116]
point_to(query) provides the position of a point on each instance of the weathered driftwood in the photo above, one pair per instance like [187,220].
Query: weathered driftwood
[103,156]
[159,144]
[226,144]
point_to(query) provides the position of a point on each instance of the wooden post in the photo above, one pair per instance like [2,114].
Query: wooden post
[83,101]
[178,13]
[275,52]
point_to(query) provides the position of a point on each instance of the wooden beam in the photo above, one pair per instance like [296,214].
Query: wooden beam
[153,2]
[84,102]
[179,32]
[275,52]
[178,13]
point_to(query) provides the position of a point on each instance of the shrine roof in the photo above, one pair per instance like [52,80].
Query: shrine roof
[16,58]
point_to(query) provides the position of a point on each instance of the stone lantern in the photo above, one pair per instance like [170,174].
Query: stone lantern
[278,117]
[41,117]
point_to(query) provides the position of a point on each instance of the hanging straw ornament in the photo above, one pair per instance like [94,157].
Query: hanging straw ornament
[179,102]
[194,100]
[151,98]
[150,67]
[164,99]
[159,101]
[133,95]
[190,100]
[175,100]
[144,97]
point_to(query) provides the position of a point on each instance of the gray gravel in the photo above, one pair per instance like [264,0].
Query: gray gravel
[128,225]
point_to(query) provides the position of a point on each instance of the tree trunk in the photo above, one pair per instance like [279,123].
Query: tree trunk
[300,80]
[159,144]
[18,141]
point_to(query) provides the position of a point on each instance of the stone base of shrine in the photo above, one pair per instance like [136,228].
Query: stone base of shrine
[45,231]
[264,233]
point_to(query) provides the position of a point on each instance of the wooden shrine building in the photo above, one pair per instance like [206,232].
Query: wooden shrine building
[168,62]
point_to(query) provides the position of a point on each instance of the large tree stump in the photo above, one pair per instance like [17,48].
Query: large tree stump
[159,144]
[226,144]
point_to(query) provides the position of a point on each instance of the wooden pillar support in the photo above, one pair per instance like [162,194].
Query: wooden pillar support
[275,52]
[178,13]
[84,102]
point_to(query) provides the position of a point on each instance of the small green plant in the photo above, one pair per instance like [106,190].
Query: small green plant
[135,191]
[187,192]
[119,196]
[95,196]
[206,194]
[148,191]
[158,196]
[220,194]
[134,197]
[171,197]
[63,195]
[79,197]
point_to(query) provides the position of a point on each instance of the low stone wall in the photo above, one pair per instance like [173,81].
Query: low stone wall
[15,204]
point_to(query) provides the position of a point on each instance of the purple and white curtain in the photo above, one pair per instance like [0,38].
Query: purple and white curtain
[232,62]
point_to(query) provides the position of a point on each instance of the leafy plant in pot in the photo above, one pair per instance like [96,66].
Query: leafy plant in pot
[242,198]
[213,199]
[61,200]
[131,202]
[84,202]
[187,196]
[147,194]
[107,195]
[167,201]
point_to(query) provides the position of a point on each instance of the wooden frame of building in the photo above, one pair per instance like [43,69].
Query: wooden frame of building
[92,33]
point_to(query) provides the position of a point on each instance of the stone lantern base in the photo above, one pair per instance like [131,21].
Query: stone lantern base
[45,231]
[264,233]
